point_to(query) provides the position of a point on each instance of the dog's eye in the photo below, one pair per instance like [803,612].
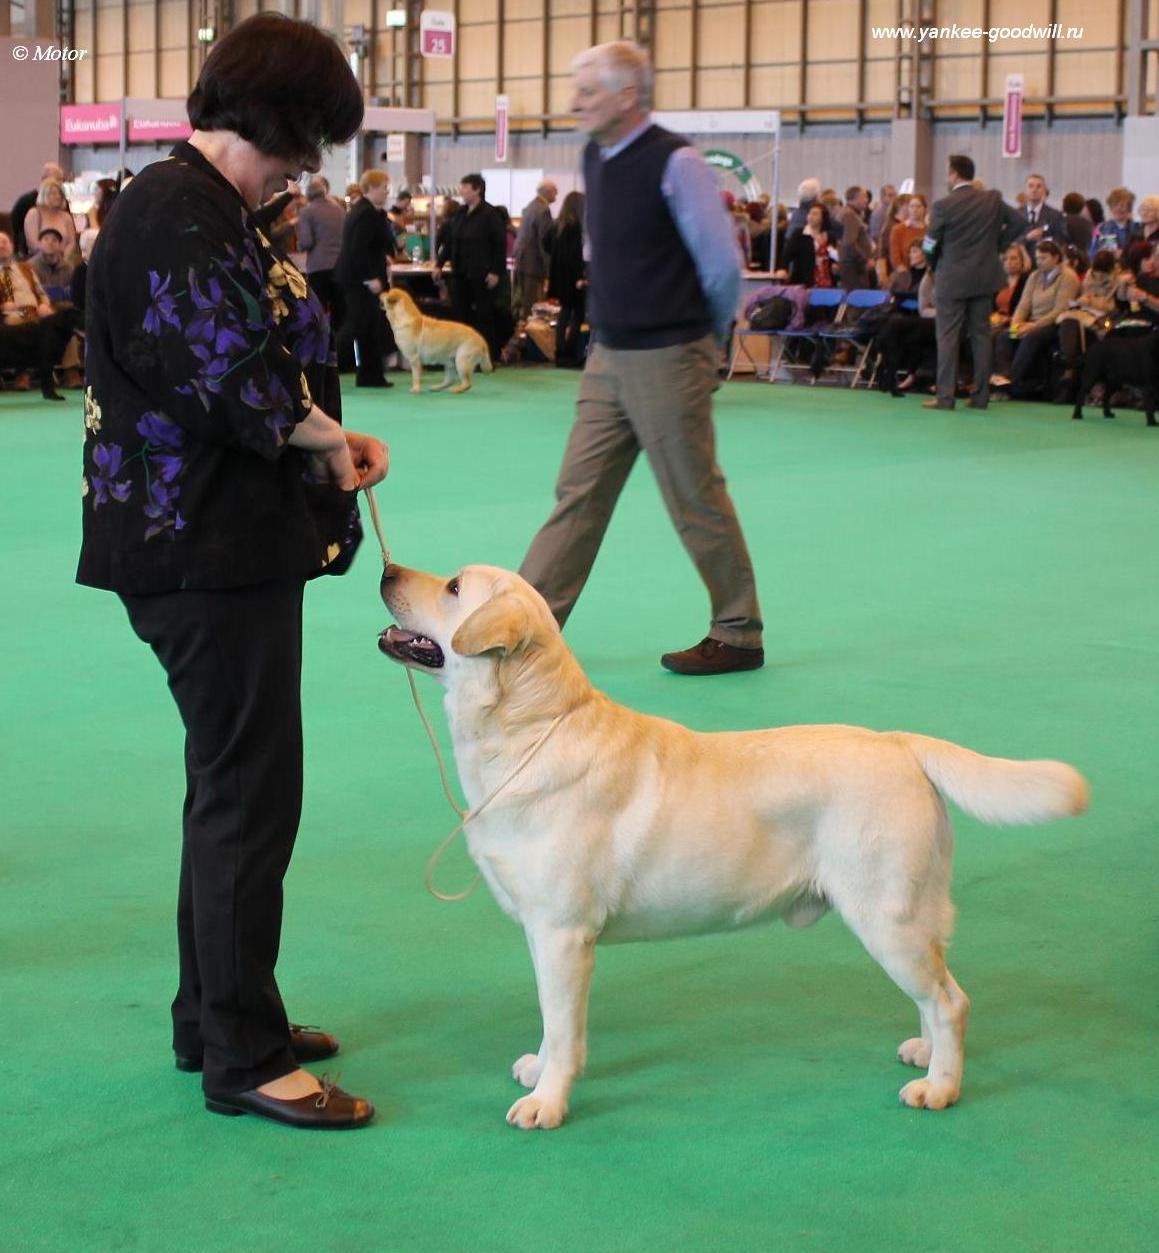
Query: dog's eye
[453,587]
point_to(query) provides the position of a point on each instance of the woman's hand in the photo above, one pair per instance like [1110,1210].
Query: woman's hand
[369,457]
[337,466]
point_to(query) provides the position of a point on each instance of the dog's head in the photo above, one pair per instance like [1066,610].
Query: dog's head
[449,627]
[398,306]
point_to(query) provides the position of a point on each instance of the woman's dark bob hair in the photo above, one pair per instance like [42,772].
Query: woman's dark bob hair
[281,84]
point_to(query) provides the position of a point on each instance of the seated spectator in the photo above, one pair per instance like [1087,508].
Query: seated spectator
[25,202]
[1149,219]
[1017,266]
[51,209]
[908,344]
[32,335]
[1117,231]
[1137,288]
[909,230]
[906,279]
[52,268]
[1096,300]
[1079,227]
[809,255]
[1048,294]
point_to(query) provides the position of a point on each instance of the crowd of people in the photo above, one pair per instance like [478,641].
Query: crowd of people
[1068,276]
[486,272]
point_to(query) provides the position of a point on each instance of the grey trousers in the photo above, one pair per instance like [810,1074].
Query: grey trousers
[973,312]
[658,400]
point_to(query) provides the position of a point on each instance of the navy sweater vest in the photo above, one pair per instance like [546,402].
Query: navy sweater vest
[644,290]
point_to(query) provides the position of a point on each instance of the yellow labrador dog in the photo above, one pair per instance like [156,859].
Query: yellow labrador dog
[429,341]
[609,825]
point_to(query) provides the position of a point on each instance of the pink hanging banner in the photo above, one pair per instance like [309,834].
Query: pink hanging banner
[1012,117]
[501,128]
[90,123]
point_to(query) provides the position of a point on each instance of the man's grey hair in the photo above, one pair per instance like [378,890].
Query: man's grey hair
[810,189]
[620,64]
[317,187]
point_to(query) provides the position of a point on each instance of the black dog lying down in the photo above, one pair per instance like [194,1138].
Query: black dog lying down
[1117,363]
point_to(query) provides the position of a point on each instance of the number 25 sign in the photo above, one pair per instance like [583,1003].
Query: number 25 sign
[437,34]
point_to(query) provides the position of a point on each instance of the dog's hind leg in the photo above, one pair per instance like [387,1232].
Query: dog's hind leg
[914,958]
[448,378]
[464,364]
[564,958]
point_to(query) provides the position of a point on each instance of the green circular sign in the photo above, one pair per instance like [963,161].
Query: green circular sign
[730,162]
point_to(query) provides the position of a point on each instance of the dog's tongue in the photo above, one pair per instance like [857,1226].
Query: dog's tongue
[396,635]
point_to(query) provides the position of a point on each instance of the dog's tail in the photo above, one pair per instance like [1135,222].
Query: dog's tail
[997,790]
[485,360]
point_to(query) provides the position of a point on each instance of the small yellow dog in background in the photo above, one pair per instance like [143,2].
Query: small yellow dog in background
[429,341]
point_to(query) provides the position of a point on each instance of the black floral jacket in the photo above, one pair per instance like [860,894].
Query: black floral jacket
[203,352]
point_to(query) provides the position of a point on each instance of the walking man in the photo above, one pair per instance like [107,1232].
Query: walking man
[664,276]
[969,230]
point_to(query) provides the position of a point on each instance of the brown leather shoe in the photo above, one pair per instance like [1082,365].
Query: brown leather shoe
[307,1044]
[713,657]
[937,404]
[328,1110]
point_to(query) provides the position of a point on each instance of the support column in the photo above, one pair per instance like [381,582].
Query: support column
[911,154]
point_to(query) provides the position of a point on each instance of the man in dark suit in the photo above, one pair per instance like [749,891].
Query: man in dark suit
[1040,221]
[969,230]
[855,249]
[362,274]
[477,251]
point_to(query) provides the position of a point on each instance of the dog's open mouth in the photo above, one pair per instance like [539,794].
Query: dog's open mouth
[409,647]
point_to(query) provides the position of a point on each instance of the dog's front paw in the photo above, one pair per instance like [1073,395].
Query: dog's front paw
[536,1112]
[915,1052]
[527,1070]
[416,391]
[926,1094]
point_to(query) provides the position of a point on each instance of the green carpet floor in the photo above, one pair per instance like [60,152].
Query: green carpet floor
[988,578]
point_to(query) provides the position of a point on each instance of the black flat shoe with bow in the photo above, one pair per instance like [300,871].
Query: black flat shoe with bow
[307,1044]
[331,1109]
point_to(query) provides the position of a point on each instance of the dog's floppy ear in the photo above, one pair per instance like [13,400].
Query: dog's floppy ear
[503,624]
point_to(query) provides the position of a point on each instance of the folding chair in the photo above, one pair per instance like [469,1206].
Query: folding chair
[858,340]
[819,298]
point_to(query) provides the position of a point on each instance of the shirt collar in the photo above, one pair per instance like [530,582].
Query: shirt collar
[186,152]
[606,154]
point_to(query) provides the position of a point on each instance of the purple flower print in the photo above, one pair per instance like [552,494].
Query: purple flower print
[161,508]
[162,306]
[160,431]
[207,380]
[108,460]
[309,332]
[274,400]
[214,321]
